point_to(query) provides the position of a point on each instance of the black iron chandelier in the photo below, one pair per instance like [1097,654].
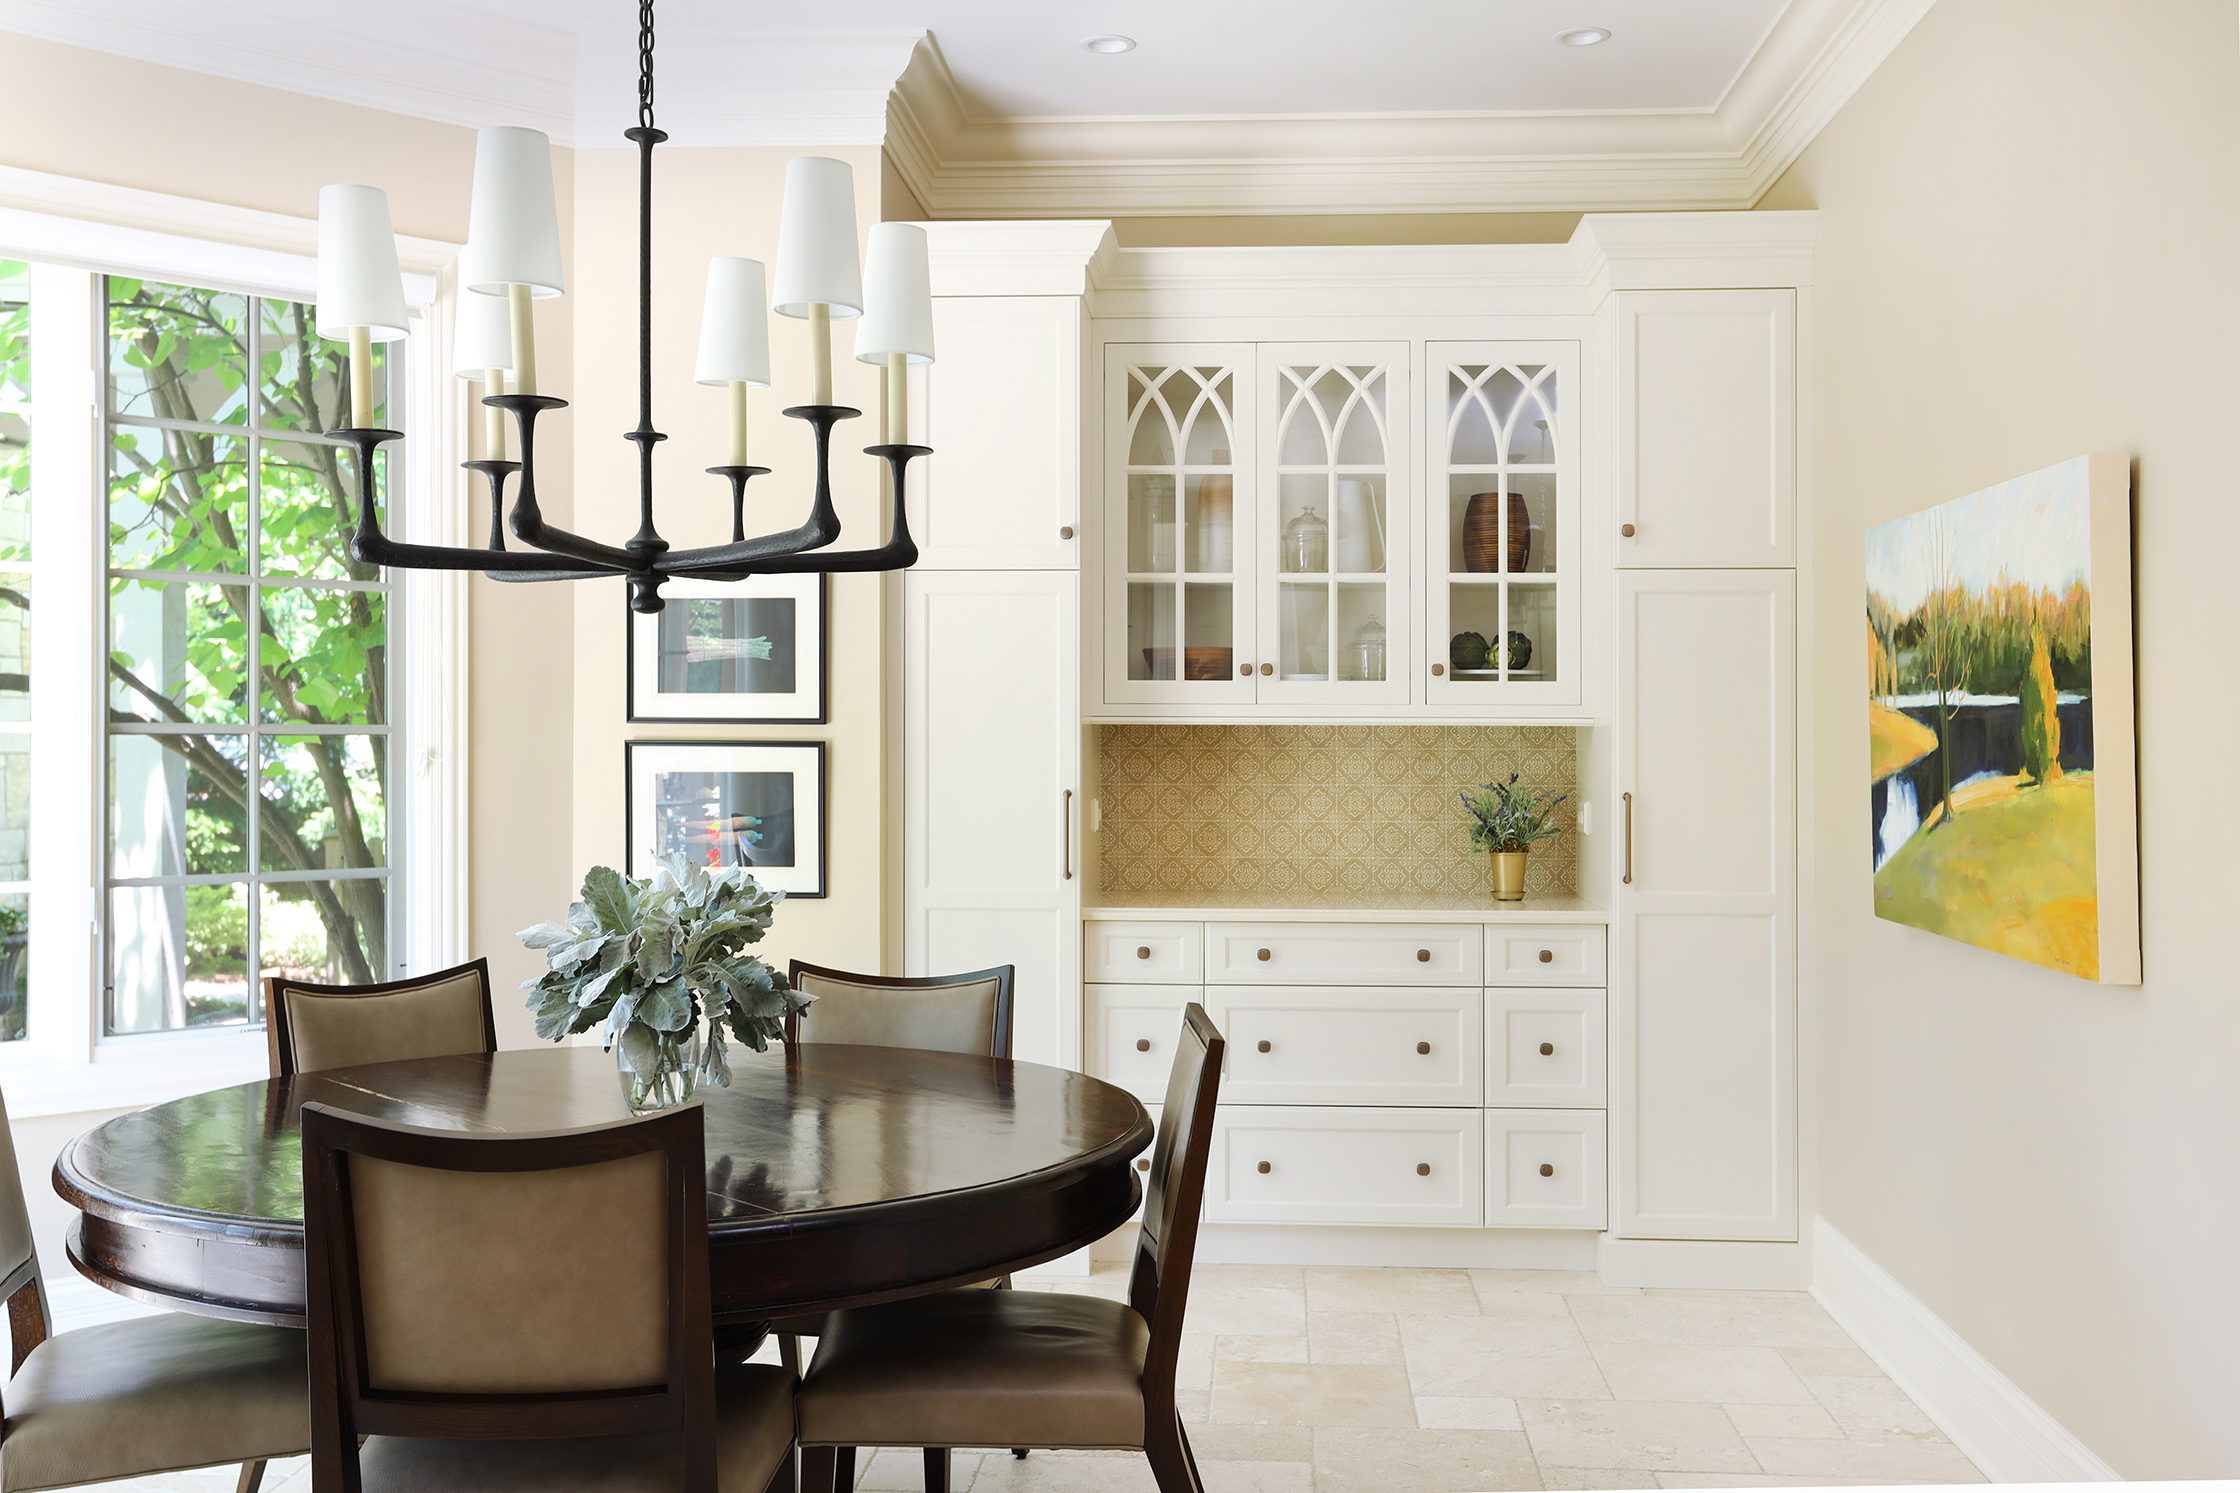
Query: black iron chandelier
[513,254]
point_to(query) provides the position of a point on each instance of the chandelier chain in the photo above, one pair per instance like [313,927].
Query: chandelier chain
[645,64]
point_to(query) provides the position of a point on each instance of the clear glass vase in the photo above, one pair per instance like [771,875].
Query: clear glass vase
[674,1075]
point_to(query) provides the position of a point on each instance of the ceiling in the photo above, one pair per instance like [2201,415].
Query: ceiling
[992,107]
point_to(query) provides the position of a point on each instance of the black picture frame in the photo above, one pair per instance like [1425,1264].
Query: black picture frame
[807,872]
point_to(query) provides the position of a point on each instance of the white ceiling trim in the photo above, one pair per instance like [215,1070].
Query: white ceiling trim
[1813,59]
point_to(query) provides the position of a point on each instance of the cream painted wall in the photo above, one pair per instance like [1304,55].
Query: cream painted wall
[111,119]
[2029,219]
[723,201]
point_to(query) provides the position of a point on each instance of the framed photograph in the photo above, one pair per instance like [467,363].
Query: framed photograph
[758,804]
[746,652]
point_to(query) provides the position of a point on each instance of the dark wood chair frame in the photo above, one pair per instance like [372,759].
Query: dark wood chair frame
[344,1407]
[1002,974]
[281,1047]
[789,1343]
[1159,1284]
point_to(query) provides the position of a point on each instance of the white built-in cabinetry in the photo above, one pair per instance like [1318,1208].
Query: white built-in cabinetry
[1174,486]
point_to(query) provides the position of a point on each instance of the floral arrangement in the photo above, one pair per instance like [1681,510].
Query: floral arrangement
[649,959]
[1504,817]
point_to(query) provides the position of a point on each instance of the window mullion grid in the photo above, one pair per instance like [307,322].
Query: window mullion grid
[253,706]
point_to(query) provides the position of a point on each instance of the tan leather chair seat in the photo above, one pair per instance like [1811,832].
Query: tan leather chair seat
[978,1368]
[153,1394]
[812,1325]
[753,1434]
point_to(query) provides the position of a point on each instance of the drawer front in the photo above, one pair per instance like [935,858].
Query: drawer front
[1328,1165]
[1312,1044]
[1344,954]
[1547,1047]
[1547,1169]
[1168,953]
[1129,1034]
[1549,954]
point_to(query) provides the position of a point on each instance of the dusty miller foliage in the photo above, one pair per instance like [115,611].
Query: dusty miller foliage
[1506,817]
[649,958]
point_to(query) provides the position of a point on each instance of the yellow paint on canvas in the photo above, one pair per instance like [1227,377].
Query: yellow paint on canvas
[2013,872]
[1897,738]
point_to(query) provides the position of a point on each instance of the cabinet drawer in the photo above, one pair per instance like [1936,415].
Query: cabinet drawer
[1547,1168]
[1128,1035]
[1134,952]
[1343,954]
[1547,1047]
[1320,1045]
[1553,954]
[1414,1166]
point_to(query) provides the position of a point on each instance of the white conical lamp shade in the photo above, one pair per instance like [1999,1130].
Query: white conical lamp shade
[513,226]
[734,325]
[484,337]
[359,282]
[897,296]
[817,240]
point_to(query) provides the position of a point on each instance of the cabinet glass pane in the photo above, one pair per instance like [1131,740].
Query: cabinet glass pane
[1475,609]
[1151,524]
[1331,520]
[1151,618]
[1360,632]
[1503,512]
[1210,522]
[1487,536]
[1532,632]
[1208,631]
[1303,616]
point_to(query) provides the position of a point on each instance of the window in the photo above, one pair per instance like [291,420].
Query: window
[15,646]
[247,664]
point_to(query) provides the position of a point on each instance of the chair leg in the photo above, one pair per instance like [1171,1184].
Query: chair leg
[1020,1452]
[937,1469]
[819,1469]
[789,1353]
[844,1469]
[786,1477]
[252,1478]
[1172,1465]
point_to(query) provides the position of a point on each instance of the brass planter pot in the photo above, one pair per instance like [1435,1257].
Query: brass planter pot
[1505,870]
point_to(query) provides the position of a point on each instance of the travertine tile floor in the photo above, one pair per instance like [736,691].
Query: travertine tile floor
[1466,1381]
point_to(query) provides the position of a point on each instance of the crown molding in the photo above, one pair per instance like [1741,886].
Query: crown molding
[732,88]
[1814,57]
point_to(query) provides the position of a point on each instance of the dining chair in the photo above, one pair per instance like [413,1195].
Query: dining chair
[1033,1368]
[134,1398]
[339,1026]
[523,1314]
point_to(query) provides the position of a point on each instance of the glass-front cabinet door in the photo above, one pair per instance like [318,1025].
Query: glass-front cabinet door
[1501,577]
[1333,537]
[1178,560]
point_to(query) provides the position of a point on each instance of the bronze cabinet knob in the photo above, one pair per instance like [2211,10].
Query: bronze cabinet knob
[1143,1164]
[1423,956]
[1547,1170]
[1626,530]
[1143,951]
[1243,670]
[1267,668]
[1547,1049]
[1265,956]
[1547,956]
[1065,531]
[1423,1168]
[1437,670]
[1264,1168]
[1423,1049]
[1143,1044]
[1266,1045]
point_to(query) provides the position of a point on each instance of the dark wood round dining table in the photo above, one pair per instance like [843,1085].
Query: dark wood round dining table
[837,1175]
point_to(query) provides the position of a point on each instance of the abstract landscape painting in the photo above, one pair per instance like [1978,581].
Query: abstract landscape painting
[1999,714]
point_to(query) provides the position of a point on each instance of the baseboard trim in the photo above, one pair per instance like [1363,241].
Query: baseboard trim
[2002,1430]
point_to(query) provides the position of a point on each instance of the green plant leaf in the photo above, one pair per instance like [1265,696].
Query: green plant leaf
[611,899]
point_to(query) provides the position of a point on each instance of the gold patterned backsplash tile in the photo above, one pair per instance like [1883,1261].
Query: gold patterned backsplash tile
[1214,810]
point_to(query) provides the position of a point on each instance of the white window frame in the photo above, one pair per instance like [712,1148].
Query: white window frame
[66,1064]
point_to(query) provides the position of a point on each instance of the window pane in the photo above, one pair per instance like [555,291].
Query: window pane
[302,376]
[325,657]
[178,652]
[176,805]
[329,931]
[15,965]
[15,331]
[178,501]
[307,508]
[15,809]
[178,957]
[15,646]
[176,353]
[323,808]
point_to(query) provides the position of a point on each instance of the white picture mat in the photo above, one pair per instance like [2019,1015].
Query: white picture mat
[804,705]
[648,762]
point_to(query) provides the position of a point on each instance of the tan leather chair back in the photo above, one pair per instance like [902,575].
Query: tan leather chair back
[1167,1241]
[513,1282]
[341,1026]
[15,1219]
[951,1013]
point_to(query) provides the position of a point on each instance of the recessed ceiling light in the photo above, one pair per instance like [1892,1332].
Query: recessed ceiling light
[1585,36]
[1108,45]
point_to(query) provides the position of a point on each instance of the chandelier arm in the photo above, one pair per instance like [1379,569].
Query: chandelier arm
[898,553]
[820,529]
[370,546]
[738,478]
[528,519]
[495,473]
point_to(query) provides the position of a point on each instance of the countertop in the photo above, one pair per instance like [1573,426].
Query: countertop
[1357,907]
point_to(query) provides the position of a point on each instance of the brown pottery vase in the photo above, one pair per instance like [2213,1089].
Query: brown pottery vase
[1481,533]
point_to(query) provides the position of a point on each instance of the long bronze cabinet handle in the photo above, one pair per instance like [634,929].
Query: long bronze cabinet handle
[1629,839]
[1066,854]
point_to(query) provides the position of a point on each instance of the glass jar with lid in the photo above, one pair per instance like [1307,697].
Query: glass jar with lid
[1364,656]
[1306,542]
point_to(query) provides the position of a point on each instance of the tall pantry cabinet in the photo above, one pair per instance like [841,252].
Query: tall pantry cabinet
[1092,410]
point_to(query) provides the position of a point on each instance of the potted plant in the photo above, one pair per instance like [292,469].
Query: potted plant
[652,961]
[1506,821]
